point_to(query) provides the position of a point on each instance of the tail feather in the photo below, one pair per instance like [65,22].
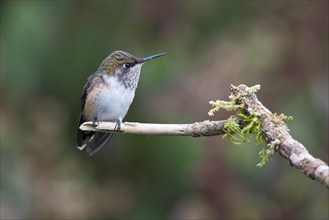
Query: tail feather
[97,142]
[93,141]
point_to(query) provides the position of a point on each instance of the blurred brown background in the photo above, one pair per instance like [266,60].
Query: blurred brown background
[48,49]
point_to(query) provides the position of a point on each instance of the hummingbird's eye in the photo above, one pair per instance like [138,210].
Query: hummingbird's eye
[128,65]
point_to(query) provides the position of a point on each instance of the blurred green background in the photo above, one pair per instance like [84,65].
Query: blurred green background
[49,48]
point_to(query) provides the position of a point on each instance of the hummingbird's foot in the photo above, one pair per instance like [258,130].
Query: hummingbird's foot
[95,122]
[118,125]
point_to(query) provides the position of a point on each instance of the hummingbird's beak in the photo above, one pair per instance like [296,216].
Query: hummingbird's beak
[152,57]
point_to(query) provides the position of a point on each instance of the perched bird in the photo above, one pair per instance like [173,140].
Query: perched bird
[107,96]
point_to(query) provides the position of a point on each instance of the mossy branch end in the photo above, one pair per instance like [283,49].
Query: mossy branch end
[270,130]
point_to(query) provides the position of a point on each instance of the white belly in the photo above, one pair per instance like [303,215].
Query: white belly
[114,101]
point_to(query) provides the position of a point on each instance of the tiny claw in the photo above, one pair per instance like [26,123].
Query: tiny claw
[95,123]
[118,125]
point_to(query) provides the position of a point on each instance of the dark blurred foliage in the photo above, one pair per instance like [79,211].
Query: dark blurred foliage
[49,48]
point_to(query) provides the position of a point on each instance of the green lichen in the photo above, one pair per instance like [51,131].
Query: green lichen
[243,132]
[246,126]
[267,152]
[233,131]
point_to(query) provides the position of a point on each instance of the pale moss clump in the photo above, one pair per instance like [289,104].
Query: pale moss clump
[246,124]
[281,119]
[228,106]
[254,88]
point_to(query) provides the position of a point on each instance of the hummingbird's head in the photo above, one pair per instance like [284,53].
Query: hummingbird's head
[121,63]
[125,67]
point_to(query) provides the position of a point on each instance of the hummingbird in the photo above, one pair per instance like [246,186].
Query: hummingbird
[108,95]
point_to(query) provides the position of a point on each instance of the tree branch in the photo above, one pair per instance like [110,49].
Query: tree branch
[198,129]
[274,130]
